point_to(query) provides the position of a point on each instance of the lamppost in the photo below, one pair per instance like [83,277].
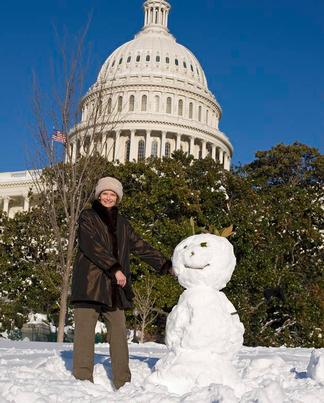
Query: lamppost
[135,339]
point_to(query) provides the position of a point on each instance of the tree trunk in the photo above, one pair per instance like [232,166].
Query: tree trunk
[63,304]
[143,330]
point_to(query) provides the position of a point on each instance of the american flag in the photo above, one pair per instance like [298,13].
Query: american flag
[59,136]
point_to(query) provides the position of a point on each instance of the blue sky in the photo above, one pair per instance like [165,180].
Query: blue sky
[264,62]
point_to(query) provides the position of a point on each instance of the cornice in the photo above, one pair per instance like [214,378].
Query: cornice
[6,185]
[220,136]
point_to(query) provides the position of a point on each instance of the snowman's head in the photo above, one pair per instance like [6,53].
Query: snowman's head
[204,259]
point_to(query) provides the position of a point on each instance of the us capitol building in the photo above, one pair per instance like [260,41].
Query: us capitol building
[158,89]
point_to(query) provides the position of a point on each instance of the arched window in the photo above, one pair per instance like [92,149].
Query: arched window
[127,150]
[129,59]
[148,58]
[109,105]
[154,150]
[156,103]
[176,61]
[113,63]
[191,66]
[141,150]
[138,58]
[120,104]
[199,113]
[184,64]
[180,107]
[169,105]
[121,60]
[144,103]
[167,149]
[167,60]
[131,103]
[207,116]
[190,110]
[158,59]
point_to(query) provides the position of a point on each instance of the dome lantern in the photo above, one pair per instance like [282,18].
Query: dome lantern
[156,14]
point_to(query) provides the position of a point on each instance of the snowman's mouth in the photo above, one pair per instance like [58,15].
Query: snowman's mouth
[197,268]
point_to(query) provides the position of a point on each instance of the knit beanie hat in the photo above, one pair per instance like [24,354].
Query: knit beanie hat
[109,183]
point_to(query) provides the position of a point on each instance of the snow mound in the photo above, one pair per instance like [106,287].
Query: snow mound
[32,372]
[315,368]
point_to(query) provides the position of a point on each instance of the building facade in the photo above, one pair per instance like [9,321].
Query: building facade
[154,99]
[15,188]
[150,98]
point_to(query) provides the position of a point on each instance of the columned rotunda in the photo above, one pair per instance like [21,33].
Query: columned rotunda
[151,98]
[154,93]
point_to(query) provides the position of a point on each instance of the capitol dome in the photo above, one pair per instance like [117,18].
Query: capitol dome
[151,98]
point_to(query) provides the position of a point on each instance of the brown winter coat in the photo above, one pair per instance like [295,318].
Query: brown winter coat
[105,241]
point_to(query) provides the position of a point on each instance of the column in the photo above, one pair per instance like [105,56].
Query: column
[160,15]
[203,148]
[116,150]
[74,153]
[26,203]
[221,156]
[149,15]
[82,139]
[178,141]
[163,14]
[104,144]
[213,153]
[227,162]
[148,144]
[162,151]
[192,146]
[6,204]
[132,152]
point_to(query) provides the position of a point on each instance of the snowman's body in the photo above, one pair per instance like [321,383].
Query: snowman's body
[203,331]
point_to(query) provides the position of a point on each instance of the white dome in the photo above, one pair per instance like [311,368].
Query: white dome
[153,52]
[151,98]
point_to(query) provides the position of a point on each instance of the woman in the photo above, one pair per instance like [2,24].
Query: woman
[101,281]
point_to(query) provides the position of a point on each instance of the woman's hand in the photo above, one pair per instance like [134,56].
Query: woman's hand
[121,279]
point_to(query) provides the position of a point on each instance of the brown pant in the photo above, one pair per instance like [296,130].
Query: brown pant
[84,338]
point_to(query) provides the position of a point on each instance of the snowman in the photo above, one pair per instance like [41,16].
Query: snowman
[203,331]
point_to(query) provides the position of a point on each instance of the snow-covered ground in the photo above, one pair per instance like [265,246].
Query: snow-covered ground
[41,372]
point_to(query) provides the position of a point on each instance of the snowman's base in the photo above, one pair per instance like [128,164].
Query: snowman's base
[183,371]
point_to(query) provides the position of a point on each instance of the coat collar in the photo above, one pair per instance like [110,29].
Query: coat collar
[107,215]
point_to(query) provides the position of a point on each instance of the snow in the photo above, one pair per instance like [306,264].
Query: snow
[315,369]
[36,318]
[35,372]
[203,360]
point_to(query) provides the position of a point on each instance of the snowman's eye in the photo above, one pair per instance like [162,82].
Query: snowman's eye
[192,253]
[185,246]
[203,244]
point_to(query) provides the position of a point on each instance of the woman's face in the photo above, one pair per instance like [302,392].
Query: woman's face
[108,198]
